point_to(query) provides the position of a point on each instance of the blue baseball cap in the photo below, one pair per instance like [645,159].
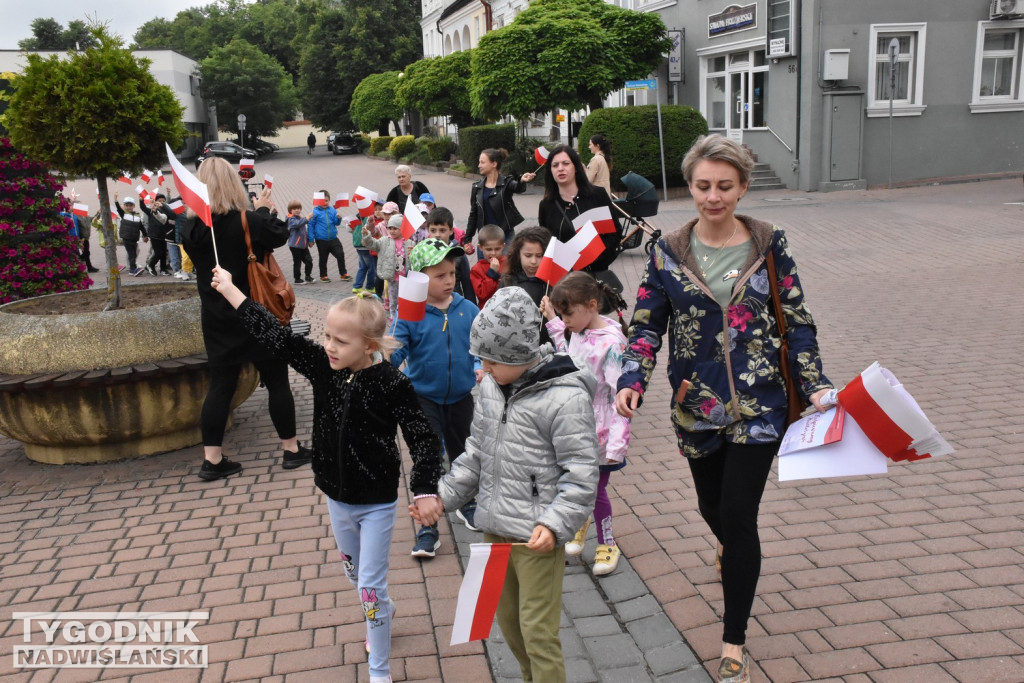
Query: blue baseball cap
[427,197]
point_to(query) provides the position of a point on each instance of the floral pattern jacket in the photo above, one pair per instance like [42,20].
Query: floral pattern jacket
[730,355]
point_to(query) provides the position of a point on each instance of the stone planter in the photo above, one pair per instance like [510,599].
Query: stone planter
[96,387]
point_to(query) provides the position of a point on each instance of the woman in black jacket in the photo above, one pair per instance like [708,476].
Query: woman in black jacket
[490,201]
[567,194]
[228,345]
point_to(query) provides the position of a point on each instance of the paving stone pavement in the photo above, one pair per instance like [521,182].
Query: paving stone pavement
[915,575]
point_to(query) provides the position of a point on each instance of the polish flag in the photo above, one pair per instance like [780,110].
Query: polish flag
[559,258]
[587,243]
[141,192]
[481,589]
[319,199]
[412,296]
[160,178]
[125,178]
[352,222]
[146,175]
[268,181]
[80,209]
[601,217]
[364,201]
[193,193]
[541,155]
[246,163]
[177,206]
[341,200]
[113,215]
[412,219]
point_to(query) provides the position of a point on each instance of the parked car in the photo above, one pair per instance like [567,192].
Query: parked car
[344,143]
[228,151]
[263,147]
[330,142]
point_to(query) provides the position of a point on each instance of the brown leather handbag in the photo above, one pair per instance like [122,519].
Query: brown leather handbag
[268,286]
[794,399]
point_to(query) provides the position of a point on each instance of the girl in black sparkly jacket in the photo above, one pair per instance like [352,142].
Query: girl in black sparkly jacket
[358,404]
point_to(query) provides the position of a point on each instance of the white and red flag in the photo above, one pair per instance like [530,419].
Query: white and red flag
[177,206]
[559,258]
[600,216]
[481,590]
[193,193]
[412,219]
[319,199]
[364,200]
[141,192]
[341,200]
[268,181]
[160,178]
[80,209]
[125,178]
[352,222]
[587,243]
[146,175]
[412,296]
[246,163]
[541,155]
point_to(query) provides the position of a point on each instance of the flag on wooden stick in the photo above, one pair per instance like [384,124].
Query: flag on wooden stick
[480,591]
[193,193]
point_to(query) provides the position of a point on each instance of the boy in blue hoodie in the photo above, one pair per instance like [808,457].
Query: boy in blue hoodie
[323,229]
[439,364]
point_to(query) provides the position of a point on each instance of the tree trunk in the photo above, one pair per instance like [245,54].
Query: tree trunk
[110,251]
[555,132]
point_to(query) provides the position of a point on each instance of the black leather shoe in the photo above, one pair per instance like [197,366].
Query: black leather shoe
[297,459]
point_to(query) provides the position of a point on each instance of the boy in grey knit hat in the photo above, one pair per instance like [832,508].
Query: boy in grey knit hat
[531,462]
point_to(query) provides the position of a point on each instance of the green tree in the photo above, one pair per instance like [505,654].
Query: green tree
[50,34]
[563,54]
[438,86]
[93,114]
[239,79]
[372,36]
[374,105]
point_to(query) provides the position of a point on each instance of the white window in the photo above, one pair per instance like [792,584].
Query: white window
[734,90]
[908,94]
[997,67]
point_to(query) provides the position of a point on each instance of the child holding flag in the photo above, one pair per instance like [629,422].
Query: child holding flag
[390,261]
[532,461]
[299,242]
[355,460]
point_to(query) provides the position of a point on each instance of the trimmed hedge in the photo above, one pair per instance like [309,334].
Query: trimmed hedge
[379,144]
[440,148]
[634,135]
[475,139]
[402,146]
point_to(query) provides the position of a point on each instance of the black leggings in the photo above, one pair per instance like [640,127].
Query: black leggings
[729,485]
[224,380]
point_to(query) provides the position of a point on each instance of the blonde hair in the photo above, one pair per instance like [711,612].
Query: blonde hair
[372,318]
[717,148]
[227,193]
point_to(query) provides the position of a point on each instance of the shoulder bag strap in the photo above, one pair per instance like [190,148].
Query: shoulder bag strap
[773,284]
[248,240]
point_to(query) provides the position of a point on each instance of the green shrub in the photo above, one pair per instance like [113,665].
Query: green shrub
[440,148]
[419,155]
[475,139]
[402,146]
[362,142]
[379,144]
[521,159]
[634,135]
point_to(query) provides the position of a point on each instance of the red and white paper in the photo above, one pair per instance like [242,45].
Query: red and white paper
[160,178]
[558,260]
[412,219]
[319,199]
[268,181]
[364,200]
[541,155]
[192,191]
[480,592]
[341,200]
[80,209]
[412,296]
[146,175]
[587,243]
[246,163]
[177,206]
[600,216]
[125,178]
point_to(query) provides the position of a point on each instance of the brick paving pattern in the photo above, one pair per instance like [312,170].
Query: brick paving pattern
[911,576]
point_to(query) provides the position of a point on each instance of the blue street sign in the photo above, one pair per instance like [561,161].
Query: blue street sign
[649,84]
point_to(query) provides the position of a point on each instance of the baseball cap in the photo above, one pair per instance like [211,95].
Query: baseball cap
[427,197]
[128,200]
[430,252]
[390,207]
[395,221]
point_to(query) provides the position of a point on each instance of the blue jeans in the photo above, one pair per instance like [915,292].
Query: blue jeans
[363,533]
[174,251]
[367,270]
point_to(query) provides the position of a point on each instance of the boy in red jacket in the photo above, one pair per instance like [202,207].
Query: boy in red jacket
[486,272]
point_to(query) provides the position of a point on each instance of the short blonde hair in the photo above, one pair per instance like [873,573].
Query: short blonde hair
[714,147]
[227,193]
[368,309]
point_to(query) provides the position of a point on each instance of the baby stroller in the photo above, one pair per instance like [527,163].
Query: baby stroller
[641,200]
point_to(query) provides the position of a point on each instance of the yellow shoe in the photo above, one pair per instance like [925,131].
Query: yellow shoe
[606,559]
[574,548]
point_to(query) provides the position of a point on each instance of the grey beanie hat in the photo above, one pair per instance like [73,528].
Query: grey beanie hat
[507,330]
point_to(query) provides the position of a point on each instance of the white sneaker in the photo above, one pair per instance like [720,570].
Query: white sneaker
[380,679]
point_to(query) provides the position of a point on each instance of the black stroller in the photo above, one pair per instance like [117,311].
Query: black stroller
[641,201]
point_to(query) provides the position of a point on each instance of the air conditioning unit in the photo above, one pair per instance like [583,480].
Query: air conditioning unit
[1006,9]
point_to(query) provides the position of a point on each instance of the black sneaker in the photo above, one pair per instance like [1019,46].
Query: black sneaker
[211,472]
[151,270]
[309,279]
[427,542]
[467,513]
[297,459]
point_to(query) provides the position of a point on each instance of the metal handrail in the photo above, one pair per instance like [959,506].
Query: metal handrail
[779,139]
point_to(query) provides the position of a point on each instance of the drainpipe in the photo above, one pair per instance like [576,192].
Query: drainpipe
[488,15]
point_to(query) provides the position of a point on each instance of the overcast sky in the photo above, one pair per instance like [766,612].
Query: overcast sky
[124,16]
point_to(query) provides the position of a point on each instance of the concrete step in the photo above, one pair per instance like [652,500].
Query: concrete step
[755,187]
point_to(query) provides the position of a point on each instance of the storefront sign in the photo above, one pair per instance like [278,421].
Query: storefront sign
[733,18]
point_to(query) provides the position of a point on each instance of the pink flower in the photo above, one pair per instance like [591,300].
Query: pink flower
[637,387]
[641,347]
[738,317]
[642,294]
[787,282]
[707,404]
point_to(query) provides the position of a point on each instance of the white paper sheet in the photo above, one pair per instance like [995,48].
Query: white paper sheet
[852,456]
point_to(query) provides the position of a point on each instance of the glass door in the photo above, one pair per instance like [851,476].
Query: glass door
[738,97]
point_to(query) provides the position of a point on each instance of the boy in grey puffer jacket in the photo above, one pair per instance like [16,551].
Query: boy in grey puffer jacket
[531,461]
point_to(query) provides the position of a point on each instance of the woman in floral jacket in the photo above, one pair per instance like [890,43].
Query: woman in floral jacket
[707,285]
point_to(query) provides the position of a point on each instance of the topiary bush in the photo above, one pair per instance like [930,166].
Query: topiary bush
[475,139]
[379,144]
[402,146]
[634,135]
